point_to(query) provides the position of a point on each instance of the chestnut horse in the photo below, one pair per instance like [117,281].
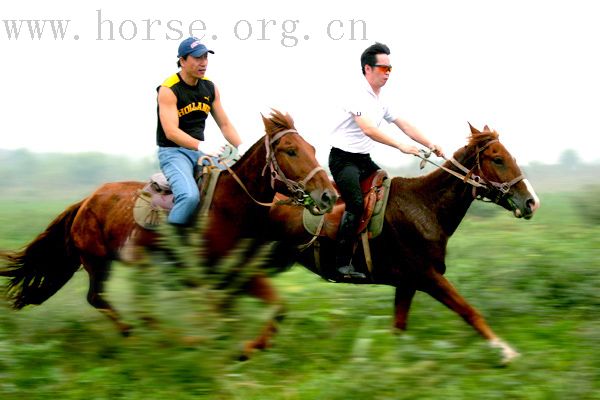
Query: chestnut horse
[421,215]
[94,231]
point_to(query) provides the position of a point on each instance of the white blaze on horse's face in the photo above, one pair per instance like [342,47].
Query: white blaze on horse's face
[536,199]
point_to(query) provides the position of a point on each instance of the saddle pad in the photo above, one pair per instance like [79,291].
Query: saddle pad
[145,213]
[374,225]
[311,222]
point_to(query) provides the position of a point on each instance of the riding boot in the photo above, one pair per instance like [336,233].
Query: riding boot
[345,246]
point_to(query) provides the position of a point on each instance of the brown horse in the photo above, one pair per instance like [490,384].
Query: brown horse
[421,215]
[95,231]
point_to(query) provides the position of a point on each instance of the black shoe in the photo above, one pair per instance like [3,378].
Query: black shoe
[345,247]
[348,271]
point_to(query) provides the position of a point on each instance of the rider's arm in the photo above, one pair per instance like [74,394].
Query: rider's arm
[372,131]
[417,135]
[169,119]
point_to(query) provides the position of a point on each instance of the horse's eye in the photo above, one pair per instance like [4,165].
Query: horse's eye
[498,161]
[291,152]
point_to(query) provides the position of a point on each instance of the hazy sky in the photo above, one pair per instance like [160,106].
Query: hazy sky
[529,69]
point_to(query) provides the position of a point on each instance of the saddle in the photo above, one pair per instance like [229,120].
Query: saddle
[155,199]
[375,189]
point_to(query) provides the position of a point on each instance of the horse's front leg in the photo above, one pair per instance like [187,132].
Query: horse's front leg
[402,302]
[260,286]
[442,290]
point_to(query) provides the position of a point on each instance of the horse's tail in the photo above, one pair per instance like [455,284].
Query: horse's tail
[39,270]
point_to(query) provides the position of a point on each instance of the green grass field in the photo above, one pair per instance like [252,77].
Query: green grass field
[537,283]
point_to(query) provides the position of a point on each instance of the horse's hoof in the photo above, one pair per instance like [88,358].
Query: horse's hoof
[126,331]
[508,353]
[245,352]
[509,357]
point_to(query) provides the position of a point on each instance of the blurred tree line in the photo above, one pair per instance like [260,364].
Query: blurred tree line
[570,174]
[23,171]
[73,175]
[57,174]
[577,180]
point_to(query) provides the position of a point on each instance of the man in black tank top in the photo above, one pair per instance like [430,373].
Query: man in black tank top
[184,101]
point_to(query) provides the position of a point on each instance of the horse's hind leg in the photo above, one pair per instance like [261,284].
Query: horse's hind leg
[98,269]
[261,287]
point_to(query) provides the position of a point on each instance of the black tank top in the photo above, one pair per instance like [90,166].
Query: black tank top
[193,106]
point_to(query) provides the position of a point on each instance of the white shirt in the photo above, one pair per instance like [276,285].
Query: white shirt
[363,101]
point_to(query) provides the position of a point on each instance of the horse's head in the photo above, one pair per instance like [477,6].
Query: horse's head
[295,170]
[499,177]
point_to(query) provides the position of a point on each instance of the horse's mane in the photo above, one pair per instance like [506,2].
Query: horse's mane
[277,122]
[483,136]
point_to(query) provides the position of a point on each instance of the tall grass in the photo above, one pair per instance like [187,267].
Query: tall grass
[536,282]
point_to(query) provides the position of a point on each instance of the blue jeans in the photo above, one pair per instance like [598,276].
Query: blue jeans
[178,163]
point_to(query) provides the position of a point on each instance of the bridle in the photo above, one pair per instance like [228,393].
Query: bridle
[492,191]
[297,189]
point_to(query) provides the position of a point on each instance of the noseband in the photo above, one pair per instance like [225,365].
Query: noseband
[493,191]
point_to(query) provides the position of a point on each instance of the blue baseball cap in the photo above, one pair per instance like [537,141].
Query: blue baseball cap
[192,46]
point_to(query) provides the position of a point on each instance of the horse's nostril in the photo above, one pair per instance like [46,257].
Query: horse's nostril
[532,204]
[529,203]
[328,198]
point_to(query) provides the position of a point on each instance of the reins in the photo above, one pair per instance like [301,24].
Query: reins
[297,189]
[465,178]
[477,181]
[239,181]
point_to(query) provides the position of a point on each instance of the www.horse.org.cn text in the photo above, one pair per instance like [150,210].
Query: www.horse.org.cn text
[285,32]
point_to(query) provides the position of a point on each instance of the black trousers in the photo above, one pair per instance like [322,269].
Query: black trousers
[348,169]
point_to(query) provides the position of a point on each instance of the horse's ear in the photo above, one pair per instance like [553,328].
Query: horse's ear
[266,121]
[474,130]
[289,119]
[486,129]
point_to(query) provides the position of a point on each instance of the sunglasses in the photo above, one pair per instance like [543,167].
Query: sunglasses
[383,68]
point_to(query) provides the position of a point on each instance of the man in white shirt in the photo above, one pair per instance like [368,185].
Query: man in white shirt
[354,138]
